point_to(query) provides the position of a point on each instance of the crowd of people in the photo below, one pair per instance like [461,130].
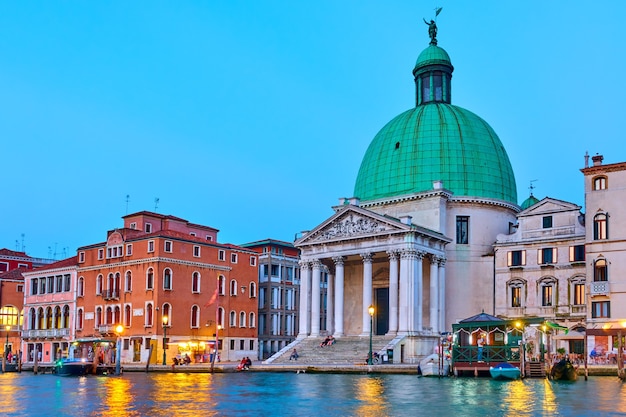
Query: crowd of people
[185,360]
[328,341]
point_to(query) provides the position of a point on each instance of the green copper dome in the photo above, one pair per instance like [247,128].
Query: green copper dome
[436,141]
[530,201]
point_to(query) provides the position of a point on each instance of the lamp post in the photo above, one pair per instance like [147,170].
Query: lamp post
[6,346]
[371,311]
[165,319]
[118,350]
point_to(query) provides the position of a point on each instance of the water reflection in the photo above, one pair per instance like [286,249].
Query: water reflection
[371,394]
[116,397]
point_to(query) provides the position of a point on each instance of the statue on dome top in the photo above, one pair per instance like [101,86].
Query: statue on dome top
[432,27]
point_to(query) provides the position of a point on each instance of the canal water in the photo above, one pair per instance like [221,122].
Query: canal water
[291,394]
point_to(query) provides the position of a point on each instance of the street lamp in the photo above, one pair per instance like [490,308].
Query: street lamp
[118,350]
[371,311]
[165,319]
[6,346]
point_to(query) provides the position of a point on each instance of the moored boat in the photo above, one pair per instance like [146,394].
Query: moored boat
[73,367]
[564,370]
[505,370]
[432,366]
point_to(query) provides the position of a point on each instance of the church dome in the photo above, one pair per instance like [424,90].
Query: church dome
[436,141]
[529,202]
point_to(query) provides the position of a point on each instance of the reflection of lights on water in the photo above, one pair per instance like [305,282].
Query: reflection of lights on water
[117,397]
[372,398]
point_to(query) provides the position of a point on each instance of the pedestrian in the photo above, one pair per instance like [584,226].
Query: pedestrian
[294,355]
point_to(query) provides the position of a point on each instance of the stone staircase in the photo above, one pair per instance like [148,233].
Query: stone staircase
[347,350]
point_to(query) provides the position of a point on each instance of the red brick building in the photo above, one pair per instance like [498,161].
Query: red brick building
[168,281]
[11,304]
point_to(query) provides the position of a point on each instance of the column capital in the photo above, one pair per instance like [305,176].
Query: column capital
[367,257]
[412,254]
[304,264]
[317,264]
[338,260]
[436,259]
[393,255]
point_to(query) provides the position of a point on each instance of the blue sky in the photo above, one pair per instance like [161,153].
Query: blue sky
[253,116]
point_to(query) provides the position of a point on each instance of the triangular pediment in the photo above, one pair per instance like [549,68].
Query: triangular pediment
[352,222]
[548,206]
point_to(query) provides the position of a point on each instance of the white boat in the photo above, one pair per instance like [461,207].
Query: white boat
[432,366]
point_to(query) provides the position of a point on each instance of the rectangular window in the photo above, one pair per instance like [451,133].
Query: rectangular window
[601,309]
[50,285]
[516,258]
[221,255]
[168,246]
[34,286]
[274,270]
[232,344]
[251,344]
[209,238]
[462,230]
[253,261]
[577,253]
[233,258]
[546,295]
[68,281]
[100,254]
[547,256]
[516,297]
[19,288]
[133,225]
[4,266]
[148,228]
[129,249]
[22,266]
[196,251]
[59,286]
[241,344]
[192,233]
[151,246]
[579,294]
[547,222]
[81,257]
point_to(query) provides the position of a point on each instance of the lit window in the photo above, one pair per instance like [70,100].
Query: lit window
[600,227]
[516,258]
[579,294]
[600,271]
[547,256]
[577,253]
[546,295]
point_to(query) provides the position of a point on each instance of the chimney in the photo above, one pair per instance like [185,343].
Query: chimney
[597,160]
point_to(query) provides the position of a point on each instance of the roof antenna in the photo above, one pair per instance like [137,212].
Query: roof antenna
[127,200]
[532,187]
[156,204]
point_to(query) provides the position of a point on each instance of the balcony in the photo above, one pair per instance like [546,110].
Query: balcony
[45,333]
[599,288]
[111,295]
[579,310]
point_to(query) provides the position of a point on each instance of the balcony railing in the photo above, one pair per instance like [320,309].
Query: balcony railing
[45,333]
[111,295]
[599,288]
[489,354]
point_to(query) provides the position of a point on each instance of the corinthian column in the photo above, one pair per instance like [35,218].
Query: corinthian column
[393,292]
[315,297]
[434,293]
[442,294]
[338,296]
[418,293]
[367,292]
[303,311]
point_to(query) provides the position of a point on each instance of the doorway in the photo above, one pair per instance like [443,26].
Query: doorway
[381,303]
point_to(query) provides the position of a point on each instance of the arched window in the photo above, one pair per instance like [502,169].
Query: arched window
[117,285]
[149,314]
[109,317]
[167,311]
[195,282]
[233,319]
[127,315]
[242,319]
[601,226]
[221,285]
[49,318]
[599,183]
[56,318]
[233,287]
[81,287]
[195,317]
[98,316]
[547,292]
[128,282]
[65,323]
[220,316]
[110,283]
[79,318]
[577,290]
[600,270]
[99,284]
[252,321]
[167,279]
[41,319]
[32,319]
[253,290]
[150,279]
[517,293]
[117,316]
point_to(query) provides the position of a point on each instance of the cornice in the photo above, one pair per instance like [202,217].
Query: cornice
[153,260]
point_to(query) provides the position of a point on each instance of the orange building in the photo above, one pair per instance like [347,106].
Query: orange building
[169,284]
[11,305]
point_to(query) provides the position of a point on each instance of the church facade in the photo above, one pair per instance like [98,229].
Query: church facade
[434,190]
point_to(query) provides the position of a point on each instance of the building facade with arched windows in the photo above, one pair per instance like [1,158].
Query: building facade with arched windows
[171,285]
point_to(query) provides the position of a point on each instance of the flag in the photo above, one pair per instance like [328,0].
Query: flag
[437,11]
[213,299]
